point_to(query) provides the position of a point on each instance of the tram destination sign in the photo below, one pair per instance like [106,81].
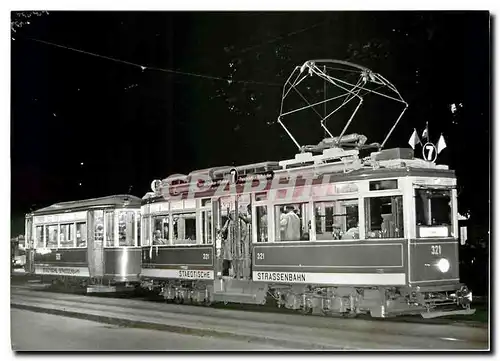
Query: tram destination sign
[192,274]
[62,271]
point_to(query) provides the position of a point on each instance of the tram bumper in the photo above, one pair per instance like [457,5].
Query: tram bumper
[461,299]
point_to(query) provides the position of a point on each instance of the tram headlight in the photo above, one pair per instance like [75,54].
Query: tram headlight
[443,265]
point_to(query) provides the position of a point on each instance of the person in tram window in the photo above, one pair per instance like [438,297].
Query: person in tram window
[352,233]
[157,240]
[225,234]
[62,239]
[245,222]
[290,223]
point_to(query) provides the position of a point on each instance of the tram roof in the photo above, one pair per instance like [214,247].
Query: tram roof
[122,200]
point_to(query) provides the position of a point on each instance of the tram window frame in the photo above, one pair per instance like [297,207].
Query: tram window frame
[109,222]
[71,227]
[206,226]
[305,225]
[130,238]
[40,240]
[138,235]
[395,201]
[175,228]
[261,197]
[205,222]
[426,227]
[344,231]
[383,185]
[146,230]
[50,236]
[83,234]
[262,223]
[163,241]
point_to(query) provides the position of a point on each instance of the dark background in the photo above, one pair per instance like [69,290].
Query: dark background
[129,126]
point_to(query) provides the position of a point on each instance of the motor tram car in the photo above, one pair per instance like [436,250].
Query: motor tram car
[344,227]
[377,235]
[93,242]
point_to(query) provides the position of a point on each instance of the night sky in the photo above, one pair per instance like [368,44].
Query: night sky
[129,125]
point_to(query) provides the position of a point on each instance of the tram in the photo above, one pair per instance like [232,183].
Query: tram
[94,243]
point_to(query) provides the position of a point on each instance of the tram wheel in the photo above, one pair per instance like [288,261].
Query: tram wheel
[349,315]
[207,303]
[306,310]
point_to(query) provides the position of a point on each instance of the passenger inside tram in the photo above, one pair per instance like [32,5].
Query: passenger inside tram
[290,224]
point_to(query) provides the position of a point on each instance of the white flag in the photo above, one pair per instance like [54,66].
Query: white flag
[414,139]
[441,144]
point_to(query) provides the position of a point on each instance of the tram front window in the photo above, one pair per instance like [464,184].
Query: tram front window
[292,222]
[384,217]
[433,209]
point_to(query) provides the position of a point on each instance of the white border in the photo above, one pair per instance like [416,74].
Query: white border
[174,273]
[339,278]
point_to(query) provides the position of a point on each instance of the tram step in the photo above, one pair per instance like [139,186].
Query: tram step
[101,289]
[435,314]
[238,298]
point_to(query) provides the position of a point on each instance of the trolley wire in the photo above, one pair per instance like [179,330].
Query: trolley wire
[154,68]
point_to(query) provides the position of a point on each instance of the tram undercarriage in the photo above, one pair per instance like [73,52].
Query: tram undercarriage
[378,302]
[381,302]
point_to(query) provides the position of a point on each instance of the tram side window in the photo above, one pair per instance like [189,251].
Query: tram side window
[337,220]
[384,217]
[110,229]
[206,221]
[261,212]
[138,230]
[184,228]
[81,234]
[40,242]
[126,229]
[67,235]
[292,222]
[160,230]
[52,236]
[146,231]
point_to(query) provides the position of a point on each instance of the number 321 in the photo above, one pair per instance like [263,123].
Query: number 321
[436,250]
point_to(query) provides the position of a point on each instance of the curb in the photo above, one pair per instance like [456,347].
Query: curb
[121,322]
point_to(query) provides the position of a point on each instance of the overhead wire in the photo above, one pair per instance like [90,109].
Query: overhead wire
[154,68]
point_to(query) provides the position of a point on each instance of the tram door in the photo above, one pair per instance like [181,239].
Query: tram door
[233,236]
[95,237]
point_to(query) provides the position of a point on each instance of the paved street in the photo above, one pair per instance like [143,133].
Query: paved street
[33,331]
[272,329]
